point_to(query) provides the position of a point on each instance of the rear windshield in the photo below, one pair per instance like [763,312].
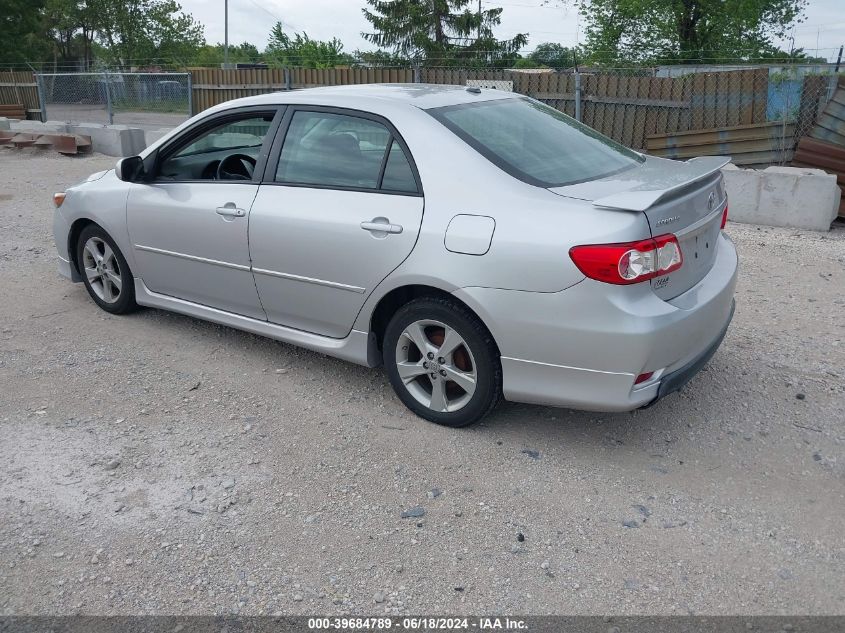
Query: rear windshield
[536,143]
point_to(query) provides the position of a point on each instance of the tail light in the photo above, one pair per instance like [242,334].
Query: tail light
[725,216]
[630,262]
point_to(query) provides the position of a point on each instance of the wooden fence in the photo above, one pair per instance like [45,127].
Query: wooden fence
[19,88]
[624,107]
[211,86]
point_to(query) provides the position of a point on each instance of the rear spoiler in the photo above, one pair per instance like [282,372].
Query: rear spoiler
[639,200]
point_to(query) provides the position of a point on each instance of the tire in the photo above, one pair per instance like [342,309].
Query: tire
[104,271]
[459,352]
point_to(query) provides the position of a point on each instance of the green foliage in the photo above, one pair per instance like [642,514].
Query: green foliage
[214,55]
[796,56]
[23,34]
[117,32]
[440,32]
[300,50]
[385,59]
[686,31]
[554,55]
[527,62]
[141,32]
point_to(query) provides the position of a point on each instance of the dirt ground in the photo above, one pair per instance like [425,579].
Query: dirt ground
[156,464]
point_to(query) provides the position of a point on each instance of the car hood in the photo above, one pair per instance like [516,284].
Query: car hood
[643,186]
[94,177]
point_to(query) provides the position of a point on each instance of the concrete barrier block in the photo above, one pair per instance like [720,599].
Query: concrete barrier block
[112,140]
[783,196]
[151,136]
[37,127]
[5,124]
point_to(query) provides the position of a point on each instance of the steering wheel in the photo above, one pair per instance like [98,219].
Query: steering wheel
[236,167]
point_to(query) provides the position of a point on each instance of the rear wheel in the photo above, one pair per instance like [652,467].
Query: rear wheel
[104,271]
[442,362]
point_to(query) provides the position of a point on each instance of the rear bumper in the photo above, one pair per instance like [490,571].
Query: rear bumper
[675,381]
[584,347]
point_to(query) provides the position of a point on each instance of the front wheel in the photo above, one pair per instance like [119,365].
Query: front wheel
[442,362]
[105,271]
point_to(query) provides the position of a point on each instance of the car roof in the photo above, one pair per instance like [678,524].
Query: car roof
[423,96]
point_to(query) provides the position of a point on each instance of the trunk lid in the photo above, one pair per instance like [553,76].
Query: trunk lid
[682,198]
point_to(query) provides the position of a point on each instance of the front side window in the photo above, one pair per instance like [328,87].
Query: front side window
[336,150]
[536,143]
[239,140]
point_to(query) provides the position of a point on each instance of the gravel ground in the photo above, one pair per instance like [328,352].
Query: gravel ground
[156,464]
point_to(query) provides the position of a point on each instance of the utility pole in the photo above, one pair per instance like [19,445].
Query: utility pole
[479,20]
[225,33]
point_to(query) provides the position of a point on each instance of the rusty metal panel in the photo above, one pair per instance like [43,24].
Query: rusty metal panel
[63,143]
[23,140]
[829,157]
[754,144]
[13,111]
[830,125]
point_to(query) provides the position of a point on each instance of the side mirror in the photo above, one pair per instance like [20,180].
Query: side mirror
[130,169]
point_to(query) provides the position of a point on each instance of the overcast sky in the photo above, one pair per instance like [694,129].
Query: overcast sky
[251,21]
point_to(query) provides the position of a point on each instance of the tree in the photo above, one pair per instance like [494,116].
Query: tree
[73,26]
[214,55]
[554,55]
[382,58]
[139,32]
[301,50]
[686,31]
[440,32]
[23,33]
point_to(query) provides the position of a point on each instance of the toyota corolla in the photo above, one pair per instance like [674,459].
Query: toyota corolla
[479,244]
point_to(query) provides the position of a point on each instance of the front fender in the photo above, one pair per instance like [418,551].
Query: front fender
[101,201]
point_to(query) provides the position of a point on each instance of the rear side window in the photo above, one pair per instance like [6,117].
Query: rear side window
[340,151]
[398,175]
[536,143]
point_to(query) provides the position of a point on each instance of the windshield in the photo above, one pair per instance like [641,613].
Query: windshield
[536,143]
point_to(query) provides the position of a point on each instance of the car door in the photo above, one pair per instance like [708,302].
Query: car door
[189,223]
[340,207]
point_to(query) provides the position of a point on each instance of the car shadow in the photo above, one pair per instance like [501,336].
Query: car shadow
[519,423]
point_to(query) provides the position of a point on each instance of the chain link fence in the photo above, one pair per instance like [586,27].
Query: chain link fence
[146,100]
[756,114]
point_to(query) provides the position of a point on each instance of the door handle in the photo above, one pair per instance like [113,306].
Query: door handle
[381,225]
[229,209]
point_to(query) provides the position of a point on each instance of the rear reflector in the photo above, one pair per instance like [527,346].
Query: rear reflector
[643,377]
[630,262]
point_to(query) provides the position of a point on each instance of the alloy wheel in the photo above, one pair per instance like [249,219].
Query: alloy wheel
[436,366]
[102,270]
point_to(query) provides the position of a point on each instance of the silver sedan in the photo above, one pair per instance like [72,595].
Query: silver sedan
[477,243]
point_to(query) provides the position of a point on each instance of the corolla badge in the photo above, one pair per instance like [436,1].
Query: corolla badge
[668,220]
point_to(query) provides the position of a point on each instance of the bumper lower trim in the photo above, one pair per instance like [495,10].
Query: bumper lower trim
[680,377]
